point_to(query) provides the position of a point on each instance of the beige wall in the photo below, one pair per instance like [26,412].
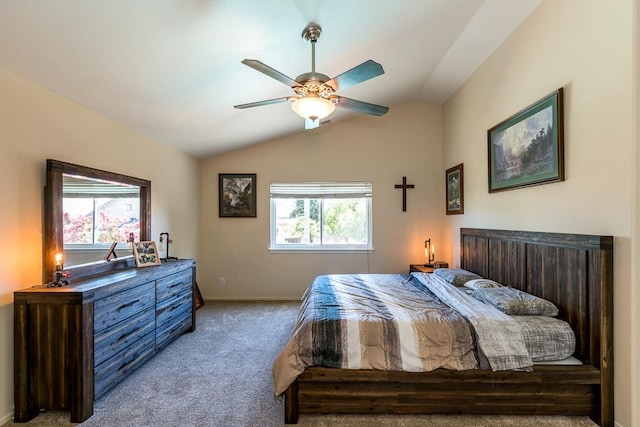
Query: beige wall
[35,125]
[635,248]
[587,47]
[405,142]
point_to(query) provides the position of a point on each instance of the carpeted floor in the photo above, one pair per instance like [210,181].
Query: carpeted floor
[220,375]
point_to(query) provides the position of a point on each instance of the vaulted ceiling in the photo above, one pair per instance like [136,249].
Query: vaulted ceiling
[172,69]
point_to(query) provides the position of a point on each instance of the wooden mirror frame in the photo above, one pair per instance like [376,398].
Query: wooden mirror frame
[53,230]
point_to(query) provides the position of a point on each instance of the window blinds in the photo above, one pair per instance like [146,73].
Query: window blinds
[320,190]
[82,187]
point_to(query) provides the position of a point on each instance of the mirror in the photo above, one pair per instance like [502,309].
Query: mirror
[67,181]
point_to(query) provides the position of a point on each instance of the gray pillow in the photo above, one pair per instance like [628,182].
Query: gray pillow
[514,301]
[482,283]
[455,276]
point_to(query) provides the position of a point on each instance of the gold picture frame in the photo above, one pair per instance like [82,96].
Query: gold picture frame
[146,253]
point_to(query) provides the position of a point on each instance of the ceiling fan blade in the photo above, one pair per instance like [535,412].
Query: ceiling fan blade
[271,72]
[358,74]
[265,102]
[362,107]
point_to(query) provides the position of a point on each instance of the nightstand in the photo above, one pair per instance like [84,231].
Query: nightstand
[420,268]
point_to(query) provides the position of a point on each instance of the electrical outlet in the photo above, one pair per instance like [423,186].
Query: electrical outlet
[240,281]
[222,281]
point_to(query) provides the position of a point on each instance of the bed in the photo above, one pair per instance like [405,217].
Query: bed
[575,272]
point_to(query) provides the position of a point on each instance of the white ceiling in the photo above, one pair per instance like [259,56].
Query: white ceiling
[171,68]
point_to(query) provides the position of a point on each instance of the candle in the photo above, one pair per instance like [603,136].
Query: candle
[58,259]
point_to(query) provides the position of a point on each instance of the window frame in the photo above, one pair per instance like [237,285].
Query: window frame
[92,190]
[312,194]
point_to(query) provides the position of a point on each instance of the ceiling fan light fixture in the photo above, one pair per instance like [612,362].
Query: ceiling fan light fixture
[313,107]
[315,96]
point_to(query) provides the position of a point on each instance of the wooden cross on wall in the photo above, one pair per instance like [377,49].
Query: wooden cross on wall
[404,187]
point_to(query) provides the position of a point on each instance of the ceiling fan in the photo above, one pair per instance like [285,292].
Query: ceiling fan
[316,95]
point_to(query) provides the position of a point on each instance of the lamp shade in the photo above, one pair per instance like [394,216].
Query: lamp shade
[313,107]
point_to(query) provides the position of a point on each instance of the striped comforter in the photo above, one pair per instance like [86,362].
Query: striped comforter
[374,321]
[411,323]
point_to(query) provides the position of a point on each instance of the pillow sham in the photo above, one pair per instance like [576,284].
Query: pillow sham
[455,276]
[482,283]
[514,301]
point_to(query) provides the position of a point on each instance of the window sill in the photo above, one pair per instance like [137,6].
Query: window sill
[321,250]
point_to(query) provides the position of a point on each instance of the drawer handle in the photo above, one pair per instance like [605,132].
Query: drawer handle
[129,304]
[131,332]
[131,359]
[175,285]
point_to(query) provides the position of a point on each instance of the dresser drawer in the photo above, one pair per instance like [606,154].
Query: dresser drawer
[115,308]
[115,338]
[178,283]
[170,331]
[173,317]
[117,367]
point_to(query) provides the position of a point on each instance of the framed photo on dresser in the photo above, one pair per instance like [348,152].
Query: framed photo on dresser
[146,254]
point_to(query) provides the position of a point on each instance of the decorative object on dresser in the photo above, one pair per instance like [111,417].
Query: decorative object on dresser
[146,254]
[237,195]
[528,148]
[60,278]
[111,252]
[74,343]
[454,179]
[164,237]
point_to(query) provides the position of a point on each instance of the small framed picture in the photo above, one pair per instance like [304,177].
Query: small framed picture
[146,254]
[237,195]
[111,252]
[454,178]
[528,148]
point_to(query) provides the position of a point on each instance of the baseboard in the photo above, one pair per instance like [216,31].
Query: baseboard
[6,419]
[249,299]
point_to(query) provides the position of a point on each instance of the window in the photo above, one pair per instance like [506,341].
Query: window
[97,213]
[321,216]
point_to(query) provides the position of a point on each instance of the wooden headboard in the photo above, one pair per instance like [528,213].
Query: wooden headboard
[574,271]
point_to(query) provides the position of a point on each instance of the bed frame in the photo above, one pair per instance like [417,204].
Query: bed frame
[574,271]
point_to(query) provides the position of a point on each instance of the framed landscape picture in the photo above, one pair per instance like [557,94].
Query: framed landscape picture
[237,195]
[455,190]
[528,148]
